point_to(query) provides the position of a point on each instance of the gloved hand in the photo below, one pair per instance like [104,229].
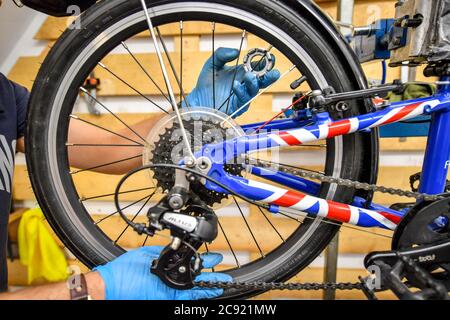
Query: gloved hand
[129,278]
[245,87]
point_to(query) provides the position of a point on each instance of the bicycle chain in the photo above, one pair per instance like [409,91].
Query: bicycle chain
[264,286]
[304,173]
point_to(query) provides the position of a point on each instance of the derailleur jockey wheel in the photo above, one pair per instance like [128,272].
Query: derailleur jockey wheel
[167,147]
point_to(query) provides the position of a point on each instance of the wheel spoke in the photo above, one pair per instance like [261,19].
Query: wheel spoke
[228,100]
[145,71]
[271,224]
[214,63]
[207,251]
[167,80]
[313,146]
[106,164]
[279,164]
[335,224]
[181,60]
[131,87]
[104,129]
[281,113]
[289,217]
[319,146]
[262,58]
[112,194]
[145,241]
[259,94]
[112,113]
[172,66]
[101,145]
[124,208]
[248,227]
[134,218]
[229,245]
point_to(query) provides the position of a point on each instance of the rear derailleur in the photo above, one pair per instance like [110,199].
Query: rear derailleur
[191,223]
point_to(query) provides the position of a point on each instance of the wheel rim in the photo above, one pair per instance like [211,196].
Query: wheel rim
[55,161]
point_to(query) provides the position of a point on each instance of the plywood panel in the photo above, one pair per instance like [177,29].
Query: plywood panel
[403,144]
[127,70]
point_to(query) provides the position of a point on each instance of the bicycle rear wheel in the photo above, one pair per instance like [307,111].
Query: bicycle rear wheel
[78,53]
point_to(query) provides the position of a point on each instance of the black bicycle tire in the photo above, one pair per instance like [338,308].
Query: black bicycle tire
[57,64]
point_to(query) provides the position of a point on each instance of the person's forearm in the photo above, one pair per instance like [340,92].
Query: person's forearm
[121,159]
[59,291]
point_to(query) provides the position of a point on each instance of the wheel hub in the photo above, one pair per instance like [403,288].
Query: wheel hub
[166,146]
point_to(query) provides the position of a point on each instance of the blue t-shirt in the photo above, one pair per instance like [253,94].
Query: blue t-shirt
[13,108]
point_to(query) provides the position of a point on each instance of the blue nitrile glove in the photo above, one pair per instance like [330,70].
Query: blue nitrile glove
[129,278]
[245,87]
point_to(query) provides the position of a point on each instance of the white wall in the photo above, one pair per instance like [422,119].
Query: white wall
[17,29]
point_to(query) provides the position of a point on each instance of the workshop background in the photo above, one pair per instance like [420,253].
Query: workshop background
[24,49]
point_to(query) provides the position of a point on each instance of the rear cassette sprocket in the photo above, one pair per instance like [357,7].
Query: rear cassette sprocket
[203,127]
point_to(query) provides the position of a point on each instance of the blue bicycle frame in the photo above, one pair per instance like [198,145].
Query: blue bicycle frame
[302,197]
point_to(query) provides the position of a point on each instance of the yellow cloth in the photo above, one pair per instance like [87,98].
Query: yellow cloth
[38,249]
